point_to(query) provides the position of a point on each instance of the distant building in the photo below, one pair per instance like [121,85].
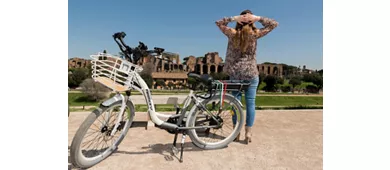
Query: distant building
[177,72]
[78,63]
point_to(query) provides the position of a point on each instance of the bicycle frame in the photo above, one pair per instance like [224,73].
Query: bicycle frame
[155,116]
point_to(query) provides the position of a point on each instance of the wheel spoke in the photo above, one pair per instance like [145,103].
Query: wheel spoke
[224,116]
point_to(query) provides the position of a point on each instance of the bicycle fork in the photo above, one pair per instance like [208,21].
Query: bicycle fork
[119,117]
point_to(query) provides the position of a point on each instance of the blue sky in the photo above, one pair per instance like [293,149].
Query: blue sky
[188,27]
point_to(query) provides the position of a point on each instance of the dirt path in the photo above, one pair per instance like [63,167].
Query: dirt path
[283,139]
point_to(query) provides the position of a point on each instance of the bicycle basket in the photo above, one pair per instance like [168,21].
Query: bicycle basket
[113,72]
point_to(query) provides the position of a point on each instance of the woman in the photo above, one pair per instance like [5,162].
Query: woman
[241,61]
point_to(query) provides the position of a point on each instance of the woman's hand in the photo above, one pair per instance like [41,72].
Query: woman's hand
[252,18]
[241,18]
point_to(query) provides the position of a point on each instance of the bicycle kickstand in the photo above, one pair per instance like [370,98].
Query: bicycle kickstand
[183,138]
[175,151]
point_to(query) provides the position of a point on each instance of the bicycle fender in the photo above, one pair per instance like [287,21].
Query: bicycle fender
[239,102]
[111,100]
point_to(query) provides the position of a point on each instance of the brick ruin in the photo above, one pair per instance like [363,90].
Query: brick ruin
[210,63]
[176,72]
[78,63]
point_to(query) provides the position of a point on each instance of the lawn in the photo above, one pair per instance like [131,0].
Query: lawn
[78,99]
[287,100]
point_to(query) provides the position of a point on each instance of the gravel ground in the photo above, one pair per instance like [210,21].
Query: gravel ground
[282,140]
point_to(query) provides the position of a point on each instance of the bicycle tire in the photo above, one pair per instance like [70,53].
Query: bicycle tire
[77,157]
[193,133]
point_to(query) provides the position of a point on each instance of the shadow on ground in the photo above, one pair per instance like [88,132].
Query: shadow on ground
[165,150]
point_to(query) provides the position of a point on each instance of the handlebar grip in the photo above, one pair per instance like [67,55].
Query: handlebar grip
[119,35]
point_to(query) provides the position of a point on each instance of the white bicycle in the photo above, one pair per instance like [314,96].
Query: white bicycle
[202,115]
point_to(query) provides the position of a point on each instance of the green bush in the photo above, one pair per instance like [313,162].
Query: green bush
[270,82]
[286,88]
[278,87]
[312,89]
[295,81]
[219,76]
[279,80]
[315,78]
[261,86]
[148,79]
[77,76]
[94,90]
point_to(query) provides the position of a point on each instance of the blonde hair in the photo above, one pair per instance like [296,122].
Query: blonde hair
[242,37]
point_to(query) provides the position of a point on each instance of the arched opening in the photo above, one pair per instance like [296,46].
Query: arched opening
[166,67]
[269,70]
[275,71]
[220,68]
[181,67]
[197,68]
[175,67]
[205,69]
[212,69]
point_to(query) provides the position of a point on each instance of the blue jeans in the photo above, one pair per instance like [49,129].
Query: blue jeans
[250,97]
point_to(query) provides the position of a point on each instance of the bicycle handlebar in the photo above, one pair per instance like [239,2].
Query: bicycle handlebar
[137,52]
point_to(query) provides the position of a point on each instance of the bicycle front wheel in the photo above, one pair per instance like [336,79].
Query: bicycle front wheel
[229,118]
[93,141]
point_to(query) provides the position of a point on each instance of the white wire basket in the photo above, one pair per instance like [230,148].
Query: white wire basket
[113,72]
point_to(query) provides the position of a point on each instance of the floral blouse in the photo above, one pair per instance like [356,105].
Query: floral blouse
[238,65]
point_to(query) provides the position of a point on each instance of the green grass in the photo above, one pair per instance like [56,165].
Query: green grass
[286,100]
[289,107]
[79,99]
[143,108]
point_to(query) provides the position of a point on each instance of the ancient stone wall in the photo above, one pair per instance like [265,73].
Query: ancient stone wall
[78,63]
[176,72]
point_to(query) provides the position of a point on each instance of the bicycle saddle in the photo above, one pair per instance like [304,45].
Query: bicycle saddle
[207,79]
[159,50]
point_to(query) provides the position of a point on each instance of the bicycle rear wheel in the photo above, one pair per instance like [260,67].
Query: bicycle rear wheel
[96,130]
[215,138]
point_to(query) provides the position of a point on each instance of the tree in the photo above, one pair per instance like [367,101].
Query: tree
[321,72]
[146,73]
[289,70]
[279,80]
[261,77]
[148,68]
[295,81]
[160,82]
[286,88]
[170,85]
[191,82]
[312,89]
[181,85]
[315,78]
[94,90]
[148,79]
[270,82]
[219,76]
[77,76]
